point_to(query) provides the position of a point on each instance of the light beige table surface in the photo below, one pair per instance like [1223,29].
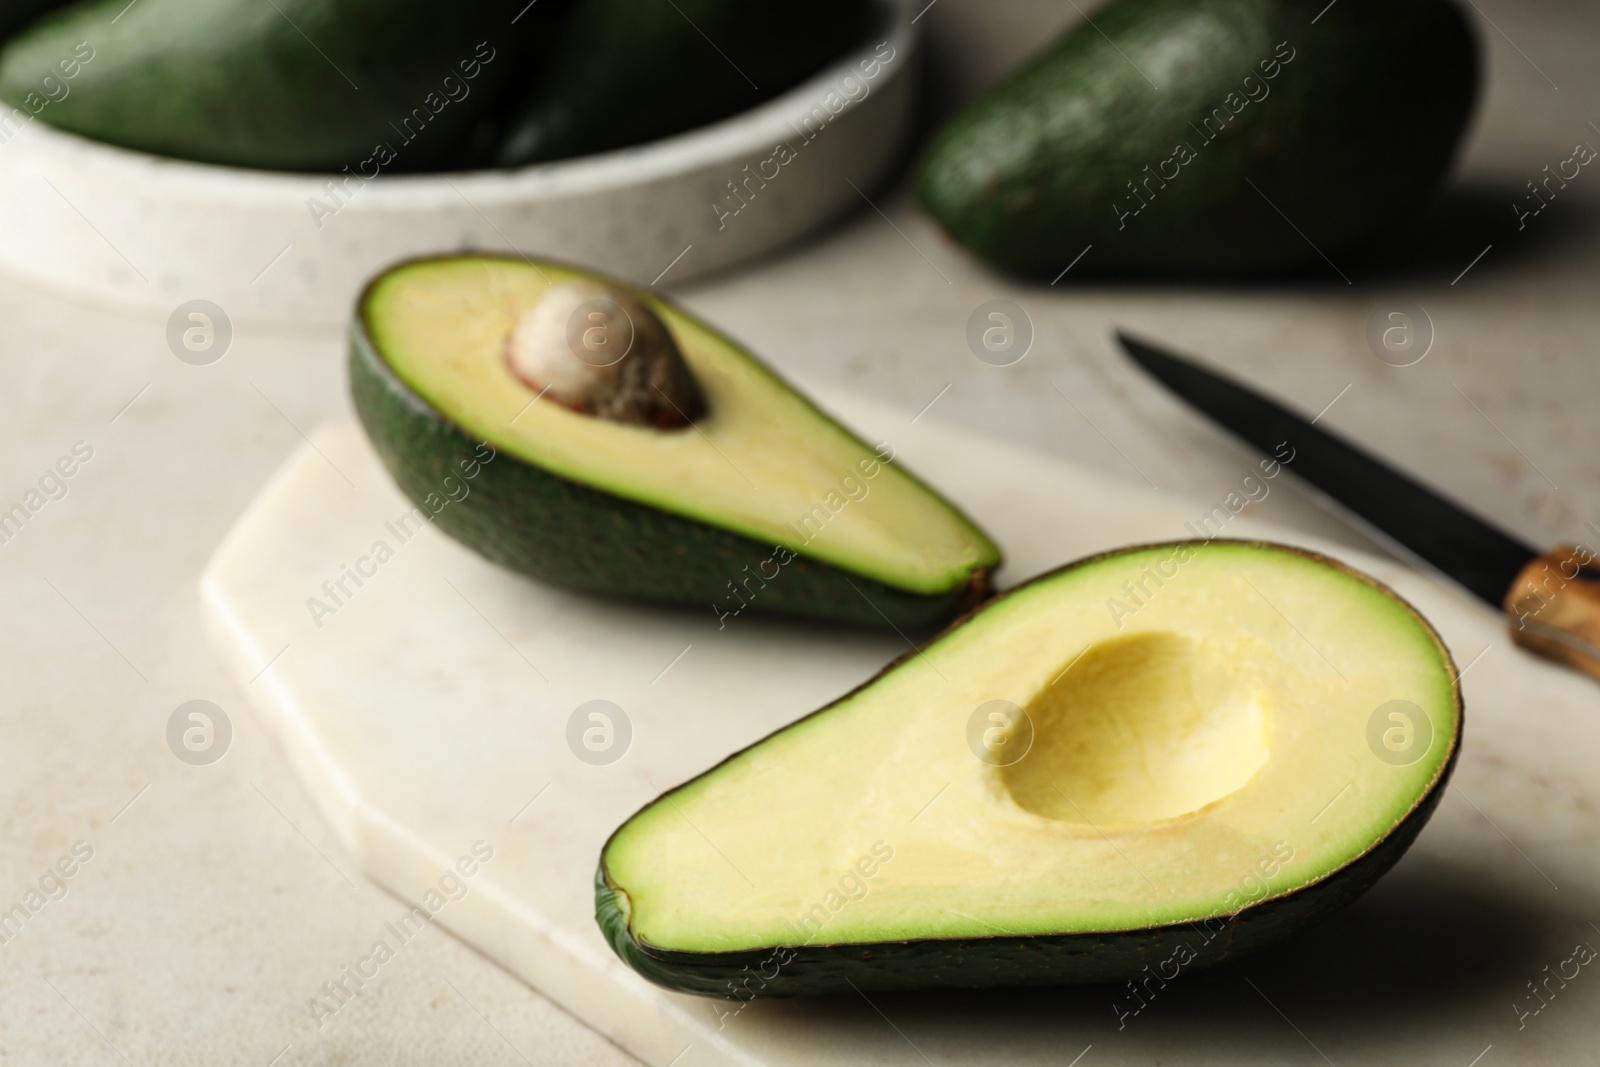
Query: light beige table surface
[215,901]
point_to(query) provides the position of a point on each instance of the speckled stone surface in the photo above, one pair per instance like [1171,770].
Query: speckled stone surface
[217,902]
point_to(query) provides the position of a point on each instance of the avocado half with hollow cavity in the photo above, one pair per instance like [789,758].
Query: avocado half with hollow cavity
[1144,762]
[682,471]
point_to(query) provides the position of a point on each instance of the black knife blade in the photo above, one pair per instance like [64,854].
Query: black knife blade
[1479,556]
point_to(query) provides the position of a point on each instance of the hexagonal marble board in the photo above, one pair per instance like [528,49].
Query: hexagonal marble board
[429,711]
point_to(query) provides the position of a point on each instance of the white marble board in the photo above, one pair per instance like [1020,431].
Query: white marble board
[429,713]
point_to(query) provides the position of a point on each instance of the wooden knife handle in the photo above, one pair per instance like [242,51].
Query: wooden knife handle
[1553,608]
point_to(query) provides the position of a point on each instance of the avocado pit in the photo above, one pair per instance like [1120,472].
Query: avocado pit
[597,350]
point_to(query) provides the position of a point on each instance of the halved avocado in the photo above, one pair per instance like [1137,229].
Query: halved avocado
[1144,762]
[761,502]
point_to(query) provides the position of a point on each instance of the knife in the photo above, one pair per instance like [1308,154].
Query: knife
[1551,600]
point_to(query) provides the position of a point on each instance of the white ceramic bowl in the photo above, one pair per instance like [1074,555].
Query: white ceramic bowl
[143,231]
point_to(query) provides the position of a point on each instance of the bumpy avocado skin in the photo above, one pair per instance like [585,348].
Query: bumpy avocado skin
[558,531]
[1028,960]
[1349,135]
[630,71]
[297,85]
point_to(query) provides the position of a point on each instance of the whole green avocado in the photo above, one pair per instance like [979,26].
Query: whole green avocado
[298,85]
[630,71]
[1206,137]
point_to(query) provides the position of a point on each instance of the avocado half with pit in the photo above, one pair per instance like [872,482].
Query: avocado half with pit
[681,471]
[1141,763]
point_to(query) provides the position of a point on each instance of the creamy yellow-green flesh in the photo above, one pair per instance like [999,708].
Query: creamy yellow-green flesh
[1180,752]
[763,462]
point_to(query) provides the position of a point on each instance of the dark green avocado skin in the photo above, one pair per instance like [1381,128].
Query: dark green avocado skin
[631,71]
[1354,131]
[15,14]
[558,531]
[949,963]
[296,85]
